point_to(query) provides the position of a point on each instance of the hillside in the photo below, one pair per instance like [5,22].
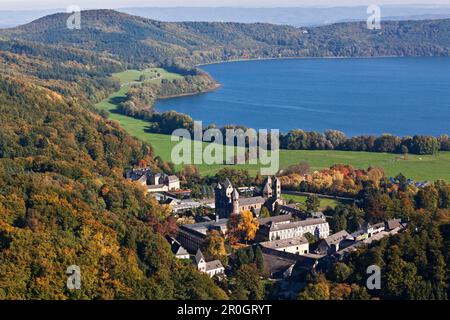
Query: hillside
[63,198]
[139,41]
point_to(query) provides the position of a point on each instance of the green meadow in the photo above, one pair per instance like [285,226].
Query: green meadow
[301,201]
[152,75]
[420,168]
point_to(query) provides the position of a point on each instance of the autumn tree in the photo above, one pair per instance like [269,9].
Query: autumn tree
[319,290]
[215,246]
[248,226]
[242,227]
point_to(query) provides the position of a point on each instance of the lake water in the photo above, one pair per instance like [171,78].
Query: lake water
[401,96]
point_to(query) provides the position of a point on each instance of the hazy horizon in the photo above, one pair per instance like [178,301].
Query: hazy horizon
[19,5]
[299,13]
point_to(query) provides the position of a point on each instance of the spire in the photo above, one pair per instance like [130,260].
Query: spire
[235,197]
[227,183]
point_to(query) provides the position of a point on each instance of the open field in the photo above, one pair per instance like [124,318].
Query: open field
[152,75]
[420,168]
[324,203]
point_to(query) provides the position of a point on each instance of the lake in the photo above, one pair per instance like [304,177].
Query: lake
[401,96]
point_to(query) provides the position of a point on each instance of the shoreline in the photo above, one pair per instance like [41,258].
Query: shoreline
[300,58]
[216,87]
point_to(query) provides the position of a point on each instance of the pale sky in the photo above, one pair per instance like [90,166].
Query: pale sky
[88,4]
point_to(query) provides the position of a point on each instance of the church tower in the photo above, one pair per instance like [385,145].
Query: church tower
[267,191]
[277,188]
[235,198]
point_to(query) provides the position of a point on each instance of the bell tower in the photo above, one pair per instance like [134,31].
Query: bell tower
[235,198]
[267,191]
[277,188]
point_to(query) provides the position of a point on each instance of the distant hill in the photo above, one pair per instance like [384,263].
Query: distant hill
[295,16]
[138,41]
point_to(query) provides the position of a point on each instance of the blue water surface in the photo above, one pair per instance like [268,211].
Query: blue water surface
[401,96]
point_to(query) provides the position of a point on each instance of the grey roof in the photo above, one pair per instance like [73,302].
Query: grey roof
[173,179]
[199,256]
[393,224]
[204,227]
[251,201]
[337,237]
[285,209]
[278,244]
[297,224]
[178,250]
[318,215]
[275,219]
[156,186]
[176,247]
[215,264]
[227,183]
[276,262]
[358,233]
[137,175]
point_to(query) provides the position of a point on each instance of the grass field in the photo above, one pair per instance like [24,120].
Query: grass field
[152,75]
[324,203]
[420,168]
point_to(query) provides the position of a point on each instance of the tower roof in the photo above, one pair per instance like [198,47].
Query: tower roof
[235,194]
[227,183]
[199,256]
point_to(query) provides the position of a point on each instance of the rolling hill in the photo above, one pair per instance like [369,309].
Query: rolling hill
[138,41]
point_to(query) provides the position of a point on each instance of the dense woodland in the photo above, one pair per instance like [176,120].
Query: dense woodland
[63,198]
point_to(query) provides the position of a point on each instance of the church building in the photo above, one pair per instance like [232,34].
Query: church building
[228,201]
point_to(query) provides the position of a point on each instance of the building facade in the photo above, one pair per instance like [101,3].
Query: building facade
[319,228]
[211,268]
[298,245]
[155,182]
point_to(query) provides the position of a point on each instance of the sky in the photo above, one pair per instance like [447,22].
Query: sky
[89,4]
